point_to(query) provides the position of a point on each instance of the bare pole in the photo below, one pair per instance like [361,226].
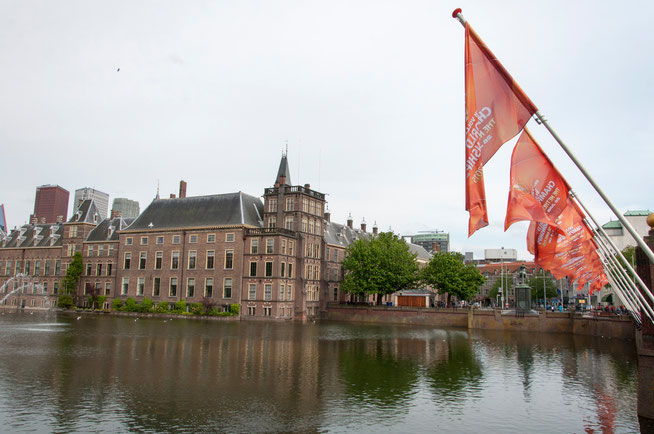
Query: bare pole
[615,248]
[541,119]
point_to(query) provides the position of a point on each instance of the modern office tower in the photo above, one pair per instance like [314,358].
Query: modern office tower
[51,204]
[126,207]
[100,199]
[432,241]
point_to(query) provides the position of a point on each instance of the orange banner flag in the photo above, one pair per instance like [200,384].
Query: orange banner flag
[496,110]
[537,192]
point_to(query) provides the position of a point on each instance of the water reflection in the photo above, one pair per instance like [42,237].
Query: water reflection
[118,374]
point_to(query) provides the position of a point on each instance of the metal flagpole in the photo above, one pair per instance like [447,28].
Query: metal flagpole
[541,119]
[627,302]
[615,248]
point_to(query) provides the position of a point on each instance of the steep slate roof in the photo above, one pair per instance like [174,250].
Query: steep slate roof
[419,251]
[284,171]
[200,211]
[39,235]
[102,231]
[342,235]
[86,212]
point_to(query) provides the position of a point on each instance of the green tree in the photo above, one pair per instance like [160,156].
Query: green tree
[379,265]
[495,289]
[449,275]
[70,281]
[536,285]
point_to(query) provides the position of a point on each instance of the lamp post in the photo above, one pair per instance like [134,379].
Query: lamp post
[502,277]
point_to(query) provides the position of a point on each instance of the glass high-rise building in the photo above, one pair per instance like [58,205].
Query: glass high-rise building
[128,208]
[100,199]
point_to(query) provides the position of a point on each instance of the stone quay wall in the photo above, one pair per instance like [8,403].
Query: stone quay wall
[550,322]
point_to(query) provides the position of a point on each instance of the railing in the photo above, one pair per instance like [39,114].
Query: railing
[296,189]
[270,231]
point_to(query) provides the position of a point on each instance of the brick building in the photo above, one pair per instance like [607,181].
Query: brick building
[279,258]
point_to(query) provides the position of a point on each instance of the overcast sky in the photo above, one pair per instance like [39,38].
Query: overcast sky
[368,94]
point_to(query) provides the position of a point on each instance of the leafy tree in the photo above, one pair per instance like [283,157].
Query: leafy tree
[495,289]
[180,307]
[536,285]
[70,281]
[99,300]
[130,305]
[380,265]
[449,275]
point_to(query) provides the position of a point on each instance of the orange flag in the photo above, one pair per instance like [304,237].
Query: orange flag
[496,110]
[538,192]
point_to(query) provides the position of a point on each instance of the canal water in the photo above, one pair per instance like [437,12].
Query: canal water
[100,373]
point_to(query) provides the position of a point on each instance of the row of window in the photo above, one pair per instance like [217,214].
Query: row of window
[267,311]
[174,260]
[312,272]
[176,239]
[270,246]
[108,269]
[100,249]
[30,288]
[308,206]
[285,292]
[285,270]
[332,254]
[49,266]
[173,287]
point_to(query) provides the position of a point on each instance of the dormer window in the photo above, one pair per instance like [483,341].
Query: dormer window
[95,217]
[111,230]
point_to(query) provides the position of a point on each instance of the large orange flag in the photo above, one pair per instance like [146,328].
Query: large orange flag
[538,192]
[496,110]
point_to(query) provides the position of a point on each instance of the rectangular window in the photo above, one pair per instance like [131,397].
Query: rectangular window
[101,250]
[109,268]
[288,292]
[208,287]
[289,204]
[254,246]
[267,311]
[252,292]
[192,256]
[229,259]
[46,268]
[281,291]
[272,205]
[318,231]
[160,240]
[227,288]
[140,286]
[111,250]
[125,287]
[175,239]
[193,239]
[8,268]
[88,269]
[71,249]
[290,248]
[142,260]
[173,286]
[305,205]
[57,269]
[37,267]
[45,287]
[229,238]
[27,267]
[210,259]
[282,269]
[158,260]
[107,288]
[73,232]
[128,260]
[174,260]
[55,287]
[272,222]
[190,287]
[283,252]
[270,245]
[144,241]
[18,267]
[290,270]
[251,310]
[128,241]
[312,207]
[335,255]
[89,251]
[156,286]
[269,268]
[253,269]
[98,270]
[288,223]
[211,238]
[305,225]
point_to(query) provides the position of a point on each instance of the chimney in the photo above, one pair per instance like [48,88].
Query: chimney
[182,189]
[115,214]
[434,247]
[327,215]
[60,219]
[172,195]
[363,225]
[33,219]
[282,180]
[307,185]
[349,221]
[375,229]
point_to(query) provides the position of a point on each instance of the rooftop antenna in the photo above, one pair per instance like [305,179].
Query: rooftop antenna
[157,189]
[286,152]
[319,161]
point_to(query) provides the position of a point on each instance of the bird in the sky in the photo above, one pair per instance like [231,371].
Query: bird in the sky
[118,70]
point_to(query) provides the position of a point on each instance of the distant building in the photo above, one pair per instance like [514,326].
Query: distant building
[100,199]
[432,241]
[500,254]
[3,220]
[50,204]
[127,208]
[620,236]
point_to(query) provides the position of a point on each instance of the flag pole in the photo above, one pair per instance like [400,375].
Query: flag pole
[541,119]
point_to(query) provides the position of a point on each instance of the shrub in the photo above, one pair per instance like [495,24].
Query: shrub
[117,304]
[65,301]
[213,311]
[131,305]
[162,307]
[180,307]
[198,309]
[234,309]
[146,305]
[100,299]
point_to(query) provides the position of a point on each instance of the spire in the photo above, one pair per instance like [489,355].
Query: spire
[157,190]
[284,172]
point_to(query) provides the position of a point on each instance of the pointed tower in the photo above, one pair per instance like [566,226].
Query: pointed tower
[284,173]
